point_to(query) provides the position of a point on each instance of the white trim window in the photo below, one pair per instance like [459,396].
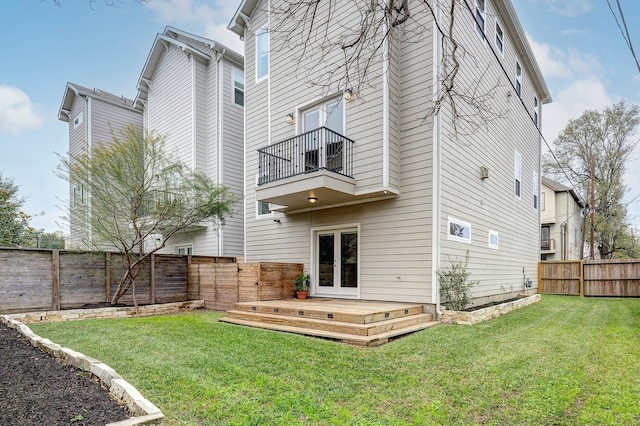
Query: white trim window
[185,249]
[536,190]
[542,200]
[499,38]
[74,196]
[238,86]
[263,209]
[480,13]
[493,239]
[536,110]
[262,53]
[517,174]
[78,120]
[458,230]
[518,79]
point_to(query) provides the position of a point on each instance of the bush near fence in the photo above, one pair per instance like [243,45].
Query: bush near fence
[608,277]
[38,279]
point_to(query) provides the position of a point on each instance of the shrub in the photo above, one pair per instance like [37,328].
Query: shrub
[455,288]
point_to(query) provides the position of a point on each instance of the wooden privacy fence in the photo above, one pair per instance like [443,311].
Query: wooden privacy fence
[615,277]
[34,280]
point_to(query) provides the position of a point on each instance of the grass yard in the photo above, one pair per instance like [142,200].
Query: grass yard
[562,361]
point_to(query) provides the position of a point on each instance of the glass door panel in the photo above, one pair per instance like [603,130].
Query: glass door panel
[326,260]
[349,259]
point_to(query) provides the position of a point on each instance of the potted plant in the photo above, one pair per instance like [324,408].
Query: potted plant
[302,285]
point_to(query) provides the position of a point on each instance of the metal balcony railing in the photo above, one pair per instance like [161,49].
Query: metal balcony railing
[319,149]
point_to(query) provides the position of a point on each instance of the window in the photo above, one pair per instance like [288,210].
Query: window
[78,120]
[238,87]
[542,201]
[183,249]
[327,150]
[459,230]
[518,79]
[262,53]
[499,38]
[264,209]
[536,110]
[517,174]
[480,15]
[545,241]
[493,239]
[536,190]
[75,197]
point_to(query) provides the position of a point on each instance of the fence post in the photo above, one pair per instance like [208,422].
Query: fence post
[107,276]
[152,278]
[582,278]
[55,271]
[540,281]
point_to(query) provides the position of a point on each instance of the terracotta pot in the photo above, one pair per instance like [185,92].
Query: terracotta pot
[301,294]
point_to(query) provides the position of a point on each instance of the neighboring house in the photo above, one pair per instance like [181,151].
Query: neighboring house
[191,90]
[372,197]
[561,221]
[94,117]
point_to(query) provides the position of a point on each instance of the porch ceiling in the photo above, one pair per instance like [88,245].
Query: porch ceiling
[294,193]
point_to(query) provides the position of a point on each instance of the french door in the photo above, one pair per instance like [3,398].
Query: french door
[320,149]
[336,262]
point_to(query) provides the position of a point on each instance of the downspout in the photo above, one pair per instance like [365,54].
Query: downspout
[385,107]
[220,101]
[87,205]
[194,99]
[244,152]
[436,197]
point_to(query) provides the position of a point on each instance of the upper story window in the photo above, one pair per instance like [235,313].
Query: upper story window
[78,120]
[262,53]
[480,15]
[542,201]
[517,174]
[238,87]
[536,110]
[518,79]
[499,38]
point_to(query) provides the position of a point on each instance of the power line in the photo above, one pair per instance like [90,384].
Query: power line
[625,31]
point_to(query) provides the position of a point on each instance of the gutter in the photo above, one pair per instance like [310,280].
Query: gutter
[436,197]
[220,101]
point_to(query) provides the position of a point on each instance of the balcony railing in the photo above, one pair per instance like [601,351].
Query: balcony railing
[319,149]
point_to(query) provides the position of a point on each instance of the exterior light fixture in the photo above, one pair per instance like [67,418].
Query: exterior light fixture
[290,118]
[348,95]
[313,200]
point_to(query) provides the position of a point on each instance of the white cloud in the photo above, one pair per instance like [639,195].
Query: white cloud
[208,19]
[550,60]
[17,112]
[569,8]
[571,101]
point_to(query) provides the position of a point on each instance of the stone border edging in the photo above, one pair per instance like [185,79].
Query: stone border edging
[109,312]
[474,317]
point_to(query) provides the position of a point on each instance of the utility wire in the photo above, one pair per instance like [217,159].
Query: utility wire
[625,31]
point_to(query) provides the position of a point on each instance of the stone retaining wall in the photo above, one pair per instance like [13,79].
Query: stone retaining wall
[474,317]
[112,312]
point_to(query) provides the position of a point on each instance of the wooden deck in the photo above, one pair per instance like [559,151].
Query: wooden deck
[358,322]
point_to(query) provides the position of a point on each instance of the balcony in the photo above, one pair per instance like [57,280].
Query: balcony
[548,245]
[314,167]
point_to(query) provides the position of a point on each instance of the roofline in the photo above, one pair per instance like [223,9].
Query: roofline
[558,187]
[241,18]
[72,90]
[213,45]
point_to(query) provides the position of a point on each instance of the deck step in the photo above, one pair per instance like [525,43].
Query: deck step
[358,329]
[370,340]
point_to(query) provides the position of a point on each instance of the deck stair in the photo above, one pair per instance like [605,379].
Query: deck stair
[359,322]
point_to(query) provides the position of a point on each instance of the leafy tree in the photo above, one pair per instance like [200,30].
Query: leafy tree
[139,196]
[14,223]
[47,240]
[455,286]
[600,141]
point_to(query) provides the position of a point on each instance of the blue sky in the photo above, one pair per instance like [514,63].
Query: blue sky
[578,46]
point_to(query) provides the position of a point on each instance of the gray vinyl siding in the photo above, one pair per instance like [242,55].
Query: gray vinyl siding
[490,204]
[78,144]
[169,108]
[109,121]
[201,88]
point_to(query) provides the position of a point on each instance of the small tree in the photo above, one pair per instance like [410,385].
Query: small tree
[15,230]
[455,288]
[138,193]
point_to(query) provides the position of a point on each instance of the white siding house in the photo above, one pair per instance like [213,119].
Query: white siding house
[94,117]
[372,193]
[191,91]
[561,222]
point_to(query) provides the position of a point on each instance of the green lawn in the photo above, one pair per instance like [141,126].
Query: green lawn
[563,361]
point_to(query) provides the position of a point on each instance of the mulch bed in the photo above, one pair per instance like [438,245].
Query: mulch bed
[38,389]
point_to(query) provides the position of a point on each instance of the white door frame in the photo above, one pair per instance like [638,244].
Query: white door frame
[315,289]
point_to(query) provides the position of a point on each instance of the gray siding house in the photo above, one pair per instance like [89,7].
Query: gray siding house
[369,191]
[94,116]
[191,90]
[561,236]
